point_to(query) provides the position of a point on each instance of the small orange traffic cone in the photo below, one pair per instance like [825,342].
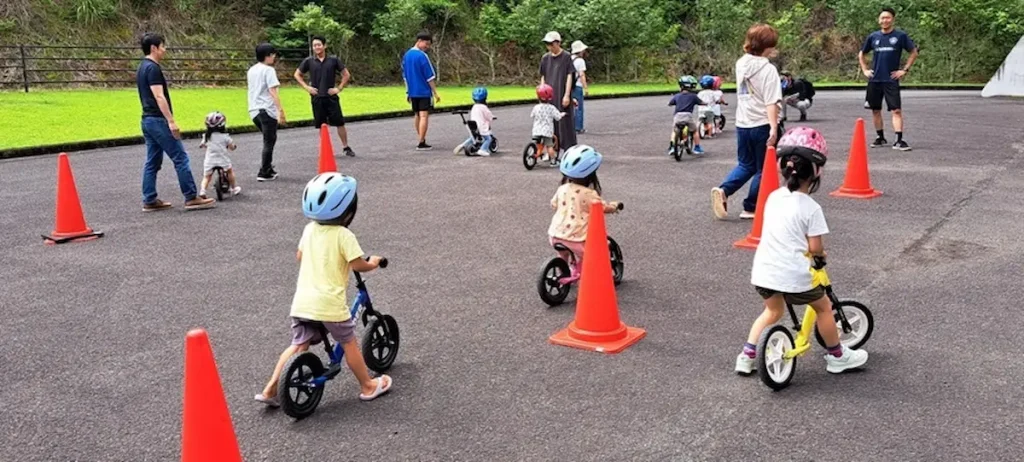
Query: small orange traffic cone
[206,430]
[769,183]
[70,222]
[597,326]
[857,183]
[327,163]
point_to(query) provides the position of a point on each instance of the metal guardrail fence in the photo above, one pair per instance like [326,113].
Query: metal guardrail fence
[28,66]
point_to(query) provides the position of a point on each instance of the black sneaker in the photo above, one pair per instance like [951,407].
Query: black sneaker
[349,152]
[423,146]
[901,146]
[879,142]
[267,176]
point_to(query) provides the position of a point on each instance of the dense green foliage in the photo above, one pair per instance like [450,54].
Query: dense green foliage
[498,41]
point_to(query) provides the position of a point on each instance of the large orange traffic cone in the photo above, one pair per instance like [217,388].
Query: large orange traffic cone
[857,183]
[769,183]
[70,222]
[206,430]
[327,163]
[597,325]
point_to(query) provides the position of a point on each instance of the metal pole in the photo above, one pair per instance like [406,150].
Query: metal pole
[24,67]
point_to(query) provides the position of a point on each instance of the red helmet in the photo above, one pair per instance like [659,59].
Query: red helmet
[805,142]
[545,92]
[718,83]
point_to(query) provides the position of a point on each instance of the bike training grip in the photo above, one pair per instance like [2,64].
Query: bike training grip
[383,262]
[621,205]
[819,262]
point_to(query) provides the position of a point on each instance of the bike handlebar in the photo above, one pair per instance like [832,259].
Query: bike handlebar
[819,262]
[383,262]
[621,205]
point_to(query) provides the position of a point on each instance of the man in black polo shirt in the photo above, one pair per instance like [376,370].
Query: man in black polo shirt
[161,131]
[323,72]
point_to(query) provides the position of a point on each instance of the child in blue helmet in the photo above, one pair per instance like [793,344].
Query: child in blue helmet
[685,103]
[579,189]
[327,252]
[710,104]
[480,114]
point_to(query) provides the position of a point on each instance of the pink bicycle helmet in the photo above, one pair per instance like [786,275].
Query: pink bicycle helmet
[545,92]
[215,119]
[718,83]
[805,142]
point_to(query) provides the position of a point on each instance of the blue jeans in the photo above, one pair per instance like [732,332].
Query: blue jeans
[751,146]
[485,146]
[577,92]
[158,141]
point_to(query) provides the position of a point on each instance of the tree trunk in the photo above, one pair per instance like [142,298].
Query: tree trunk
[440,42]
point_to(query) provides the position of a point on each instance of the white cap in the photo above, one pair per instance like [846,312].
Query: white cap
[552,37]
[578,46]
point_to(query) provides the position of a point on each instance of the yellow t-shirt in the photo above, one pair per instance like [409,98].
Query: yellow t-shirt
[323,272]
[572,212]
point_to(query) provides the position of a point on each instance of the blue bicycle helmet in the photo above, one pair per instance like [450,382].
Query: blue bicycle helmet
[328,196]
[580,161]
[707,81]
[479,94]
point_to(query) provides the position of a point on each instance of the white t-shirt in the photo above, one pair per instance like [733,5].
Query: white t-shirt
[581,66]
[780,262]
[261,79]
[757,86]
[483,117]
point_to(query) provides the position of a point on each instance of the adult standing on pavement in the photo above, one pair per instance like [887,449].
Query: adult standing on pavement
[323,93]
[420,86]
[557,70]
[265,105]
[582,87]
[161,131]
[886,47]
[758,94]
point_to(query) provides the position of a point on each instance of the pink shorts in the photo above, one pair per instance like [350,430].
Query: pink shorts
[576,247]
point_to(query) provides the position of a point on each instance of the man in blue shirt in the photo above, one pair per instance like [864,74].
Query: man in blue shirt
[161,131]
[420,85]
[886,47]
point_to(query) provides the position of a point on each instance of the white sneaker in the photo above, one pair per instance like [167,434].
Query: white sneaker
[851,359]
[718,203]
[745,215]
[544,158]
[236,190]
[744,364]
[457,150]
[483,153]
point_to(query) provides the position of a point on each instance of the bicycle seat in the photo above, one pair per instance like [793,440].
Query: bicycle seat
[536,139]
[472,125]
[460,111]
[561,248]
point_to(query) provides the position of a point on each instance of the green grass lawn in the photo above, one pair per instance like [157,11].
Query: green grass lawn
[51,117]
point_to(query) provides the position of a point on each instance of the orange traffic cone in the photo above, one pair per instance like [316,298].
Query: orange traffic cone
[857,183]
[327,163]
[70,222]
[206,430]
[597,326]
[769,183]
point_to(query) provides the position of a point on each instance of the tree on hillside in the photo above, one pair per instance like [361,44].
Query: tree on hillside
[404,18]
[313,20]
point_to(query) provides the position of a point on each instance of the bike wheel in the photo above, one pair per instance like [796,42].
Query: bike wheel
[677,148]
[530,156]
[299,397]
[774,369]
[218,184]
[380,343]
[494,144]
[721,122]
[548,286]
[703,132]
[861,323]
[618,267]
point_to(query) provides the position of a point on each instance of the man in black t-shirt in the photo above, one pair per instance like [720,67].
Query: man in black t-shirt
[886,47]
[323,72]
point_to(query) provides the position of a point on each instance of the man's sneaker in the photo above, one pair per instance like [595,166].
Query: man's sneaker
[744,364]
[901,146]
[879,142]
[267,176]
[851,359]
[200,203]
[745,215]
[349,152]
[718,203]
[156,206]
[423,146]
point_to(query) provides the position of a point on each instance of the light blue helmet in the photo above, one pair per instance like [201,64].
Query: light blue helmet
[707,81]
[479,94]
[580,161]
[328,196]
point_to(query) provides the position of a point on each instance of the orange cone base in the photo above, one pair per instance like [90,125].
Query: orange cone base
[749,242]
[601,342]
[60,238]
[869,193]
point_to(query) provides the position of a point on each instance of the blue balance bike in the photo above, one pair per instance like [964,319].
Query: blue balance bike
[302,383]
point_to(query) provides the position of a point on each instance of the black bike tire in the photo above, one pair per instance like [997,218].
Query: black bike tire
[370,340]
[542,287]
[288,405]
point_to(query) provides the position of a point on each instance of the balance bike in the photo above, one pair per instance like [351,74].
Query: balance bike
[533,151]
[220,183]
[474,133]
[556,279]
[682,133]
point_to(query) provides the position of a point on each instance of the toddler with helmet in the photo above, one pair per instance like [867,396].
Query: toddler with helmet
[711,103]
[685,103]
[217,143]
[793,227]
[579,189]
[326,253]
[483,117]
[544,116]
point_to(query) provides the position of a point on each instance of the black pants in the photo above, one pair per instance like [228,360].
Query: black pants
[268,126]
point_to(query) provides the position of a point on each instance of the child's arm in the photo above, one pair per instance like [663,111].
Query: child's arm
[559,116]
[298,255]
[611,207]
[815,246]
[364,266]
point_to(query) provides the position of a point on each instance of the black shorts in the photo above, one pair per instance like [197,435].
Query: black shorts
[889,90]
[802,298]
[421,104]
[327,110]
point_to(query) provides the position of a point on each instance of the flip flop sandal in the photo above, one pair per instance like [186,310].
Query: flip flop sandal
[272,402]
[381,388]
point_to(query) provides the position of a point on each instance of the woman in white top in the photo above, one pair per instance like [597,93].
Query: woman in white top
[793,227]
[579,51]
[758,94]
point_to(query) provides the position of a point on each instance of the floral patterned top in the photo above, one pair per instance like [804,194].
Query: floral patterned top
[572,212]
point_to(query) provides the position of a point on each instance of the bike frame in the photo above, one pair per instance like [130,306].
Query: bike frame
[819,278]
